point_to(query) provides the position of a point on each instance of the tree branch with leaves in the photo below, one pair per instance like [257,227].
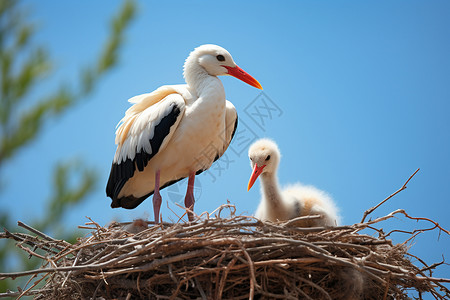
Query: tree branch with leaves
[24,66]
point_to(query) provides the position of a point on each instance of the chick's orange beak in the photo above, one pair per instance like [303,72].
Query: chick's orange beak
[244,76]
[255,173]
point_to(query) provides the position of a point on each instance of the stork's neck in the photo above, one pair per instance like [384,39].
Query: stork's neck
[272,195]
[199,80]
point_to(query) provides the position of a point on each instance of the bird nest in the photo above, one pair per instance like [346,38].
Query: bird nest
[233,257]
[237,257]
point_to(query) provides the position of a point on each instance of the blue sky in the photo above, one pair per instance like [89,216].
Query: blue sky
[360,92]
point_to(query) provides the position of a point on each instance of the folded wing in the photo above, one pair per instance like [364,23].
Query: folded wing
[144,131]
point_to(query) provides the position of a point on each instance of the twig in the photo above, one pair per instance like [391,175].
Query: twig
[370,210]
[41,234]
[303,218]
[200,289]
[31,252]
[251,266]
[29,293]
[97,288]
[24,293]
[74,263]
[224,277]
[29,240]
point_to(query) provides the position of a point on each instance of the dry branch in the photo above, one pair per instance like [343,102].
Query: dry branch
[370,210]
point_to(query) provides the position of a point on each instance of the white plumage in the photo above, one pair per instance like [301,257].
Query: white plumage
[293,201]
[175,132]
[142,127]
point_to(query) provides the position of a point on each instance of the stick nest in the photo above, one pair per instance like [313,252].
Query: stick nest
[237,257]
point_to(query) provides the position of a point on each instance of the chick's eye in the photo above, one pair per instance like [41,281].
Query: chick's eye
[220,57]
[268,157]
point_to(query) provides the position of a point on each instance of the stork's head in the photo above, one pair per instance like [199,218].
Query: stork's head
[264,159]
[217,61]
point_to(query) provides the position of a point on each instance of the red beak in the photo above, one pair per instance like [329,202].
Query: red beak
[256,172]
[244,76]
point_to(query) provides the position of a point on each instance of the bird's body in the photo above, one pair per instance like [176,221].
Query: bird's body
[297,201]
[293,201]
[175,132]
[204,144]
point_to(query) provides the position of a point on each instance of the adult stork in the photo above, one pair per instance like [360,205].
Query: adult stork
[174,132]
[295,200]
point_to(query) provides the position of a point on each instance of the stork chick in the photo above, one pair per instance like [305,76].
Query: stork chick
[295,200]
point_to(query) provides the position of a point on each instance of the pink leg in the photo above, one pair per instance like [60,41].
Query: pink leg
[156,198]
[189,199]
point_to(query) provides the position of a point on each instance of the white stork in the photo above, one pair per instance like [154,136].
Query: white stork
[177,131]
[294,201]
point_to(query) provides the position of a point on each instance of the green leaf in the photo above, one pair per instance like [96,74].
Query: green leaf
[72,182]
[23,65]
[23,36]
[33,69]
[31,123]
[119,23]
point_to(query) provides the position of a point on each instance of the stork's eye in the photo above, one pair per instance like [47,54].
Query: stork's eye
[220,57]
[268,157]
[251,158]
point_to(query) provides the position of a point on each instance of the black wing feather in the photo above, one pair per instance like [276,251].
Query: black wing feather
[123,171]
